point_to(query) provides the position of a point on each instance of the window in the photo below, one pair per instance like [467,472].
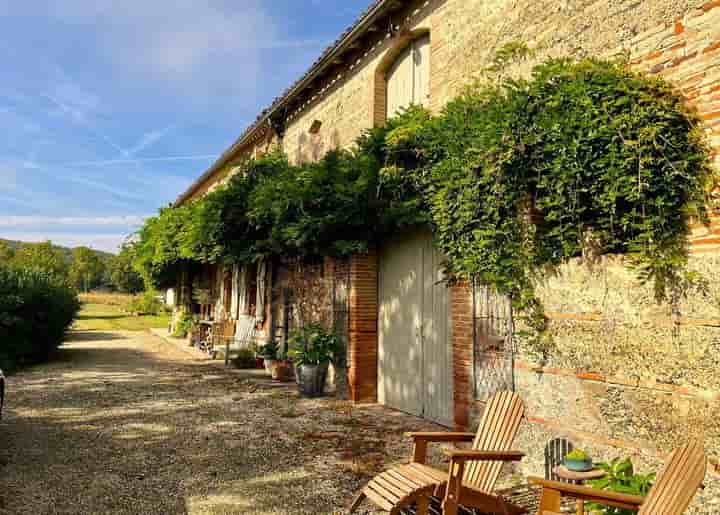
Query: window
[408,78]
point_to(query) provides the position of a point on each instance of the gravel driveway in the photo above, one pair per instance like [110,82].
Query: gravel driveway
[127,423]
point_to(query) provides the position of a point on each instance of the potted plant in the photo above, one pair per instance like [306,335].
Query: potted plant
[578,461]
[282,371]
[312,349]
[269,352]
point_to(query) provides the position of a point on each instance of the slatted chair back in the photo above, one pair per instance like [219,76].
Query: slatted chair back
[677,483]
[223,328]
[555,452]
[245,331]
[496,432]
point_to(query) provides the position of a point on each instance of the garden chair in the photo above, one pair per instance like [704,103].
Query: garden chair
[220,332]
[471,475]
[671,494]
[243,338]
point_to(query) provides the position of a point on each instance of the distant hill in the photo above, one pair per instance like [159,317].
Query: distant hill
[67,251]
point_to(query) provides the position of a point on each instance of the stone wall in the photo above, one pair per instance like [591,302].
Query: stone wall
[622,376]
[465,35]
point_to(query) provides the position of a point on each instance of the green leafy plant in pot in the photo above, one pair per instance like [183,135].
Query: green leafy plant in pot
[269,353]
[312,349]
[620,477]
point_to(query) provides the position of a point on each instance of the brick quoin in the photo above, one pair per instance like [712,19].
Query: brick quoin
[363,335]
[462,348]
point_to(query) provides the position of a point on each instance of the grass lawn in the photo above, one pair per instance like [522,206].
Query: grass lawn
[104,313]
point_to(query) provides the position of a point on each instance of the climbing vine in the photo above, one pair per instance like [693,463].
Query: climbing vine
[522,175]
[514,177]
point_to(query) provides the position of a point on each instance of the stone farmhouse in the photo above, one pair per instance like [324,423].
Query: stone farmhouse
[623,378]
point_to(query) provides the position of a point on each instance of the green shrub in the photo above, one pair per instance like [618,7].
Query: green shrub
[36,309]
[146,303]
[183,325]
[245,359]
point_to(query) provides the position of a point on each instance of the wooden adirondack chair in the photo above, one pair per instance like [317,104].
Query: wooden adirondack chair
[471,475]
[671,494]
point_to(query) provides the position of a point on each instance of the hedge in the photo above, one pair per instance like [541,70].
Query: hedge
[35,312]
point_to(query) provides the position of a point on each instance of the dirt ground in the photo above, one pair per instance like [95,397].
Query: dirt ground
[126,423]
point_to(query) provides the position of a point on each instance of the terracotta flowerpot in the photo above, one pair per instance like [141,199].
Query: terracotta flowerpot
[259,362]
[282,371]
[269,364]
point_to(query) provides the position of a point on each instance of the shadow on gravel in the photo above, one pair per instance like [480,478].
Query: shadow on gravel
[93,336]
[115,429]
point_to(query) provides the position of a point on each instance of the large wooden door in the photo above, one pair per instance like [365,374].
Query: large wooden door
[415,361]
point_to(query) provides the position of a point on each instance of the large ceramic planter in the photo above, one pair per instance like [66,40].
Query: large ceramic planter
[311,379]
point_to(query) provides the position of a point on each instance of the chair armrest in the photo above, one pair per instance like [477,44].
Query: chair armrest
[479,455]
[422,438]
[429,436]
[606,497]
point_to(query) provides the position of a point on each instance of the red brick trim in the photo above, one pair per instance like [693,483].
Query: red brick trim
[559,427]
[462,349]
[363,335]
[646,384]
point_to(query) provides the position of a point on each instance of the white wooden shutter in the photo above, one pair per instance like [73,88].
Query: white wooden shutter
[408,79]
[261,290]
[399,83]
[219,303]
[421,71]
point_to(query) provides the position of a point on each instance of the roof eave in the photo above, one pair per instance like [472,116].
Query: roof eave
[359,28]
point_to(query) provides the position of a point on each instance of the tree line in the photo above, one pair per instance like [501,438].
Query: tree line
[82,268]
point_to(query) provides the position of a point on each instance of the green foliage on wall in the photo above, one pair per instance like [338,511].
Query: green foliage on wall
[581,156]
[514,177]
[336,206]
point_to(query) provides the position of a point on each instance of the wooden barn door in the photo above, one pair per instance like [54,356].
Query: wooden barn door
[415,361]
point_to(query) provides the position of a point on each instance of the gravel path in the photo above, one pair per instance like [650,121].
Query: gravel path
[126,423]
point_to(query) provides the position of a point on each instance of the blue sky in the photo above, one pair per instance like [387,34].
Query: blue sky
[110,109]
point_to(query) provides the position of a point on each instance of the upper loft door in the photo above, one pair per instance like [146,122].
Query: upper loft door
[408,78]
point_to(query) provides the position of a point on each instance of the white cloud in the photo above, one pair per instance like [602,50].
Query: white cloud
[148,139]
[171,38]
[159,159]
[19,221]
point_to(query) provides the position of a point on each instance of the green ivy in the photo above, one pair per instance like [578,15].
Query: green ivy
[523,175]
[514,178]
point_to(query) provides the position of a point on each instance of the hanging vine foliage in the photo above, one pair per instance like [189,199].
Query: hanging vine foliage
[513,177]
[521,176]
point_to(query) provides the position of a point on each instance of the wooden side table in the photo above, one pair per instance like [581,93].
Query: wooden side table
[563,472]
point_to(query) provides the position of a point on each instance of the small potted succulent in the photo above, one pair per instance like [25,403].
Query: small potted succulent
[312,349]
[578,461]
[269,353]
